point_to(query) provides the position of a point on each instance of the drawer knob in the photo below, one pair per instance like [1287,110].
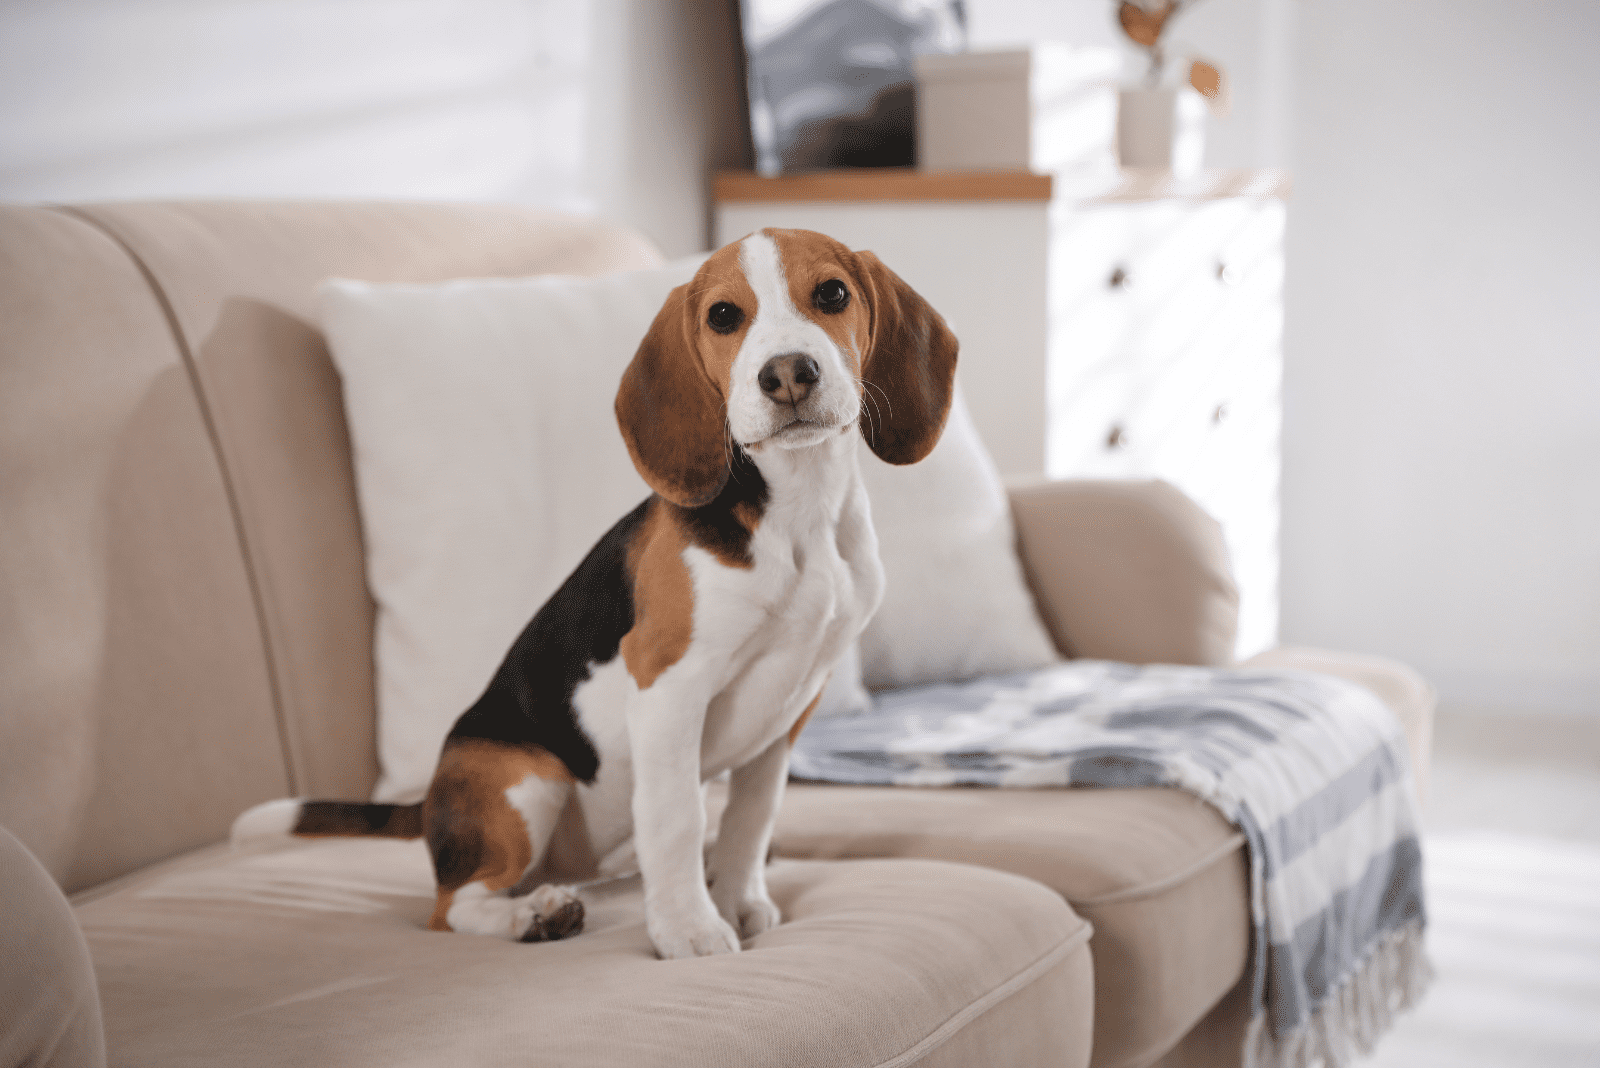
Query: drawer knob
[1120,278]
[1117,438]
[1219,415]
[1228,274]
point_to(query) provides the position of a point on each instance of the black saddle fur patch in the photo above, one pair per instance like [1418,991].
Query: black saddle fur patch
[529,701]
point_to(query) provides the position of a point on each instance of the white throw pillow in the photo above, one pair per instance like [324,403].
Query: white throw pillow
[845,694]
[956,604]
[488,462]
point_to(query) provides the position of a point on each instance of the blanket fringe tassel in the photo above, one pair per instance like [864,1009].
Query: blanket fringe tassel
[1391,980]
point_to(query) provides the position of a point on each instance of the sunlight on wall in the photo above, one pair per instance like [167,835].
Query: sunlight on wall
[461,99]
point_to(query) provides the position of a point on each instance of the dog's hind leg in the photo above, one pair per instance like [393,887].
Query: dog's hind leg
[489,816]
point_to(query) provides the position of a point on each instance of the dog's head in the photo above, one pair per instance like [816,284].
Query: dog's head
[781,340]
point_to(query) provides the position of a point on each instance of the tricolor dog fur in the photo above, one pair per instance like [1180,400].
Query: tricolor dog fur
[697,635]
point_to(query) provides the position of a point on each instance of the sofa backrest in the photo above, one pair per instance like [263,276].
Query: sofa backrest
[185,628]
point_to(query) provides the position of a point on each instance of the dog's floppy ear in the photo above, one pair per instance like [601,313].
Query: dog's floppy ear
[909,367]
[671,415]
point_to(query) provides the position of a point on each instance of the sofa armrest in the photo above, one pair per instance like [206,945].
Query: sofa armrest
[1130,571]
[1408,694]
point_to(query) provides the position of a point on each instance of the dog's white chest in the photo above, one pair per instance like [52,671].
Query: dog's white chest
[765,634]
[779,627]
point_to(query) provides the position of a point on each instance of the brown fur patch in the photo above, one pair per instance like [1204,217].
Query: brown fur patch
[800,724]
[910,364]
[749,517]
[473,831]
[720,279]
[670,413]
[439,921]
[671,405]
[663,596]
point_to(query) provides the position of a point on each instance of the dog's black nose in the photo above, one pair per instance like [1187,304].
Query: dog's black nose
[788,379]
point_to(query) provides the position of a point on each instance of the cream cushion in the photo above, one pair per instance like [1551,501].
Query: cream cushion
[1127,570]
[488,463]
[1158,873]
[317,954]
[956,605]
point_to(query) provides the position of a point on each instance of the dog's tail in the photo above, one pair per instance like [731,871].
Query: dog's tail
[299,818]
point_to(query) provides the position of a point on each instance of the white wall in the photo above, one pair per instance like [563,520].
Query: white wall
[1442,424]
[666,108]
[463,99]
[612,105]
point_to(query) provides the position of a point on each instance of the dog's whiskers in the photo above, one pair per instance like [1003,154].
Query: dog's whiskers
[875,416]
[728,443]
[868,417]
[881,392]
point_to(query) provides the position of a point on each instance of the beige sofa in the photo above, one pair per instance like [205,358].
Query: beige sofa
[186,631]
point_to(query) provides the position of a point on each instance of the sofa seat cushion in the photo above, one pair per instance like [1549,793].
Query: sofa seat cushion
[316,954]
[1159,873]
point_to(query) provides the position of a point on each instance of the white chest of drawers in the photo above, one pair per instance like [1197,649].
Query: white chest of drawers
[1125,328]
[1165,357]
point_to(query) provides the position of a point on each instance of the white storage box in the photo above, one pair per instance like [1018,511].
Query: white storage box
[1047,108]
[1163,128]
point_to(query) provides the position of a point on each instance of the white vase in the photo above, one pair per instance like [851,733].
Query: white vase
[1163,128]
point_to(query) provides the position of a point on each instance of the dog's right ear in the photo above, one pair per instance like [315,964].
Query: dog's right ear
[909,367]
[671,415]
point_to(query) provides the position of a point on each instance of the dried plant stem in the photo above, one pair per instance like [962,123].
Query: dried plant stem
[1158,60]
[1145,28]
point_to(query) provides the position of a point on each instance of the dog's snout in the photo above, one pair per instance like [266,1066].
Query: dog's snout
[788,379]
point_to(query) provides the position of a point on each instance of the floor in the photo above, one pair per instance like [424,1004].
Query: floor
[1513,855]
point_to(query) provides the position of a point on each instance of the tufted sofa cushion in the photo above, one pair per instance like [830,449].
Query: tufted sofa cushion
[317,954]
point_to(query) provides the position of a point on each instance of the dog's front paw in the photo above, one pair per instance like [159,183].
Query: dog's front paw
[750,912]
[698,935]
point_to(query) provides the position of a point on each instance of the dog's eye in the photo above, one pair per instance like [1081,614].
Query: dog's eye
[724,318]
[831,296]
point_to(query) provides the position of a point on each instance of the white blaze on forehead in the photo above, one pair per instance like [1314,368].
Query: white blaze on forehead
[777,325]
[763,269]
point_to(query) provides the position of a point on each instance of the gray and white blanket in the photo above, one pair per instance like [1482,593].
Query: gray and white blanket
[1312,769]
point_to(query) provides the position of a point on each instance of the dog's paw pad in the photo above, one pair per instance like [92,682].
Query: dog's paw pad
[561,917]
[565,922]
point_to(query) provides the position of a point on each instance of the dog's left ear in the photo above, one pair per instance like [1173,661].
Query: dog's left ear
[671,415]
[909,367]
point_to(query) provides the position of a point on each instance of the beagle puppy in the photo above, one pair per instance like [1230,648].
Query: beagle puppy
[696,636]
